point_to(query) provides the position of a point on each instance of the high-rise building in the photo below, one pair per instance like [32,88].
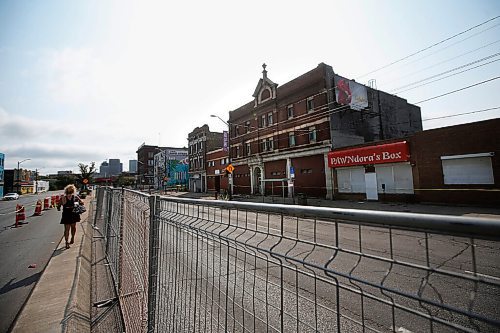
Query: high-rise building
[115,167]
[132,166]
[104,169]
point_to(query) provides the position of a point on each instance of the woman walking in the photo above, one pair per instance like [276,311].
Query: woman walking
[69,218]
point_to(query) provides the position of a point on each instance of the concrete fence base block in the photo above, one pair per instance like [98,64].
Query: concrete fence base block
[77,317]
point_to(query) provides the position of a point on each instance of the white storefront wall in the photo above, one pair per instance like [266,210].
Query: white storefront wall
[392,178]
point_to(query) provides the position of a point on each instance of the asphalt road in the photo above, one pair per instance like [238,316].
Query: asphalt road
[33,242]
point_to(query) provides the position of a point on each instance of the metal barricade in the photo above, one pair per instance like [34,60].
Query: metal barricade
[201,265]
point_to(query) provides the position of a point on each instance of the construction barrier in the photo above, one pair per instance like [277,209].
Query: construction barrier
[20,215]
[46,203]
[38,208]
[53,201]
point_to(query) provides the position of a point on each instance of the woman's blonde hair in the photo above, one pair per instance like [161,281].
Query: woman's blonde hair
[69,189]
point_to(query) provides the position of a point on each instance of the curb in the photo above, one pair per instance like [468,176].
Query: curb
[77,316]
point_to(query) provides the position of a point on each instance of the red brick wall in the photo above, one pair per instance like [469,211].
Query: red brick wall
[275,170]
[216,156]
[310,176]
[426,149]
[241,179]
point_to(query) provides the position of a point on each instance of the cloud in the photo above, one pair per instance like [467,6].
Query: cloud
[14,128]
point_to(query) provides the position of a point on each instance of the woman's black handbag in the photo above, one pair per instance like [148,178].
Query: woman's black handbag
[79,209]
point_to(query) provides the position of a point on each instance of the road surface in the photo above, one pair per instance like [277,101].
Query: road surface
[32,243]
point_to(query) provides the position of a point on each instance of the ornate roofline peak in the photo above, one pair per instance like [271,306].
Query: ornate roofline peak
[265,90]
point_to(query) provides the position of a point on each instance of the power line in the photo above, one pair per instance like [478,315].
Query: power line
[461,114]
[428,47]
[446,72]
[442,62]
[454,91]
[453,44]
[466,70]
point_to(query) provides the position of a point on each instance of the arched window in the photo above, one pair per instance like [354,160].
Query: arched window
[266,94]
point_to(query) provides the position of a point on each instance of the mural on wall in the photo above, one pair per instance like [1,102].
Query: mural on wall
[177,173]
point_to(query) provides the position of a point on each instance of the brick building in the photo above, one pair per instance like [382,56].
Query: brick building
[440,165]
[279,142]
[217,180]
[145,164]
[200,142]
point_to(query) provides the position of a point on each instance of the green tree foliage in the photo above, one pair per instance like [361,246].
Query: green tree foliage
[86,172]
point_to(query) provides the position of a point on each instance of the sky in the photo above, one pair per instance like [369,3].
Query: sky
[84,81]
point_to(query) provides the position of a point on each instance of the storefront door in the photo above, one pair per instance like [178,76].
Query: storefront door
[371,186]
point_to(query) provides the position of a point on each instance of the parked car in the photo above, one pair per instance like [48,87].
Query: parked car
[11,196]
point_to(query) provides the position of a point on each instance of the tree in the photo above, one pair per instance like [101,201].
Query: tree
[86,172]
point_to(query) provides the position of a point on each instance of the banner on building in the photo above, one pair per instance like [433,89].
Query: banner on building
[225,145]
[386,153]
[348,92]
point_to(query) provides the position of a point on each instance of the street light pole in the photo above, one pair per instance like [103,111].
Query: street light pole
[230,176]
[18,173]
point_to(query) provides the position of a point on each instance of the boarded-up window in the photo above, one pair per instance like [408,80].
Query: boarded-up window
[468,169]
[394,178]
[351,180]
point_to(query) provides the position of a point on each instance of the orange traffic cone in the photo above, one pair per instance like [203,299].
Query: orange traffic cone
[38,208]
[20,216]
[46,203]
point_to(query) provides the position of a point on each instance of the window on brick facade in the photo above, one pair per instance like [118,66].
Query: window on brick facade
[269,144]
[291,139]
[263,121]
[312,134]
[263,145]
[238,151]
[248,149]
[269,119]
[247,126]
[310,104]
[289,110]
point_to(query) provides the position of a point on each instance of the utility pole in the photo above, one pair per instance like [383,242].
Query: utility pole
[36,181]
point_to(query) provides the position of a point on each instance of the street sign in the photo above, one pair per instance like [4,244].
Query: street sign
[230,168]
[85,181]
[292,172]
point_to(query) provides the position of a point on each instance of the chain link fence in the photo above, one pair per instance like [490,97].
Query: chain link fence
[187,265]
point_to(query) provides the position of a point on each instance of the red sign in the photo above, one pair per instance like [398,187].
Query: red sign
[387,153]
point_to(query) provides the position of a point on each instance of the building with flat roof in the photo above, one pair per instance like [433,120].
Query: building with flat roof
[279,141]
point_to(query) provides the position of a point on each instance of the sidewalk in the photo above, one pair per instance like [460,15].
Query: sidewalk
[60,301]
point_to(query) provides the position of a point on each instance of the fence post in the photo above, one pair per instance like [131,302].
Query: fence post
[154,233]
[120,240]
[109,207]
